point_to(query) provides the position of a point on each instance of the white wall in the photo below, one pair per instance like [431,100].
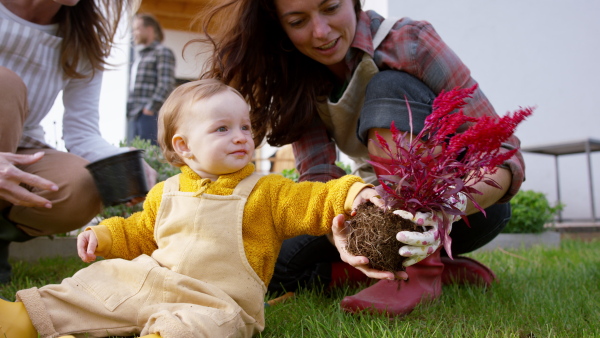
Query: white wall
[189,62]
[542,53]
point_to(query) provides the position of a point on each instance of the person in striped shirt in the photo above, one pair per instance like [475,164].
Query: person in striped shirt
[47,47]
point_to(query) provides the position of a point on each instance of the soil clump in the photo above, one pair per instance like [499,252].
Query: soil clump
[373,235]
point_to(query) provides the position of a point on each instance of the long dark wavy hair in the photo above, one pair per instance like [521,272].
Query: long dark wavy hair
[89,28]
[252,53]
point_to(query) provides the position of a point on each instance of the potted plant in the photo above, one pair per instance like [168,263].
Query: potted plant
[429,173]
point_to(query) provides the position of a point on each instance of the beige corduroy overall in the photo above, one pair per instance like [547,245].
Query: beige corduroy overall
[341,118]
[198,283]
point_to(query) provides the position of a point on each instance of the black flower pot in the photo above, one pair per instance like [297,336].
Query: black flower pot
[120,178]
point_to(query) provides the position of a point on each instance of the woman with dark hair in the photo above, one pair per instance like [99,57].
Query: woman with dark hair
[47,47]
[320,74]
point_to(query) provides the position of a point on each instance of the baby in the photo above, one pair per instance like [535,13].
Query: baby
[195,261]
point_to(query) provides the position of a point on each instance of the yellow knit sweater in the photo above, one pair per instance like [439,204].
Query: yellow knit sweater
[276,209]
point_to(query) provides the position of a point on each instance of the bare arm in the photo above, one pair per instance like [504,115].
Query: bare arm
[490,195]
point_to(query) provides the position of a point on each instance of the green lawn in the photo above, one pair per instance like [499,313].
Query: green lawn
[541,292]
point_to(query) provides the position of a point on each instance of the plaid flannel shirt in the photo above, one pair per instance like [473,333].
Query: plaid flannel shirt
[154,80]
[413,47]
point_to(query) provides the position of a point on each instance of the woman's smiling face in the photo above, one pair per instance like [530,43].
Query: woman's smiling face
[320,29]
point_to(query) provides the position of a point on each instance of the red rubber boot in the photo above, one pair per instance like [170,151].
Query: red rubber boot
[345,274]
[464,270]
[397,298]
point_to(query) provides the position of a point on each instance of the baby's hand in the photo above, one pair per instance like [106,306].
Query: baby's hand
[367,194]
[87,242]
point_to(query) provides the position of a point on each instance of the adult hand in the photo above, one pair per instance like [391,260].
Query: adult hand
[419,245]
[340,238]
[12,177]
[147,112]
[87,242]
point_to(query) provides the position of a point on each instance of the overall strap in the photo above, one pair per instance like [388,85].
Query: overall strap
[244,188]
[171,184]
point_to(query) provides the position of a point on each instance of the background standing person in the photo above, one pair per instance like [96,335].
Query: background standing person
[47,47]
[320,74]
[152,78]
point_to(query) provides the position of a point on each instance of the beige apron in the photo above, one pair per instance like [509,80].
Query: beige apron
[341,118]
[198,283]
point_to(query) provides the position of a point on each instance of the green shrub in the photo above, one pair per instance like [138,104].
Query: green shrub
[292,174]
[530,212]
[153,156]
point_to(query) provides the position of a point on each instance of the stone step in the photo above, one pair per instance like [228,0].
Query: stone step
[44,247]
[574,226]
[518,241]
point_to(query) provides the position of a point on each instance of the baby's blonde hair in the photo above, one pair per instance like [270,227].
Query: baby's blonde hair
[178,103]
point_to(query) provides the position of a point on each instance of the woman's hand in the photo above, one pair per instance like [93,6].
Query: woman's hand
[87,242]
[419,245]
[340,239]
[12,177]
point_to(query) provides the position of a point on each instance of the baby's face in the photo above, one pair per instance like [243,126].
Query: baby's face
[218,135]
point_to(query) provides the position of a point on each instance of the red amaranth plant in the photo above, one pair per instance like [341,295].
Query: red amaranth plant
[450,155]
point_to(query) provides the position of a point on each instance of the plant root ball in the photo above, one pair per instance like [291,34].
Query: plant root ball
[373,235]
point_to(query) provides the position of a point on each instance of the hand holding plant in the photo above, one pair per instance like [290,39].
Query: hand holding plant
[419,245]
[450,155]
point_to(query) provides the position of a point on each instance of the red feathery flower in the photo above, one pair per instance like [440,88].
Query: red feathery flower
[450,155]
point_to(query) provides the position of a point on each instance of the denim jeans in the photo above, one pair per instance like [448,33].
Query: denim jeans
[144,126]
[388,97]
[305,261]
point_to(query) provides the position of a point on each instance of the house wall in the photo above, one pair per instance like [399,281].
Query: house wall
[189,61]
